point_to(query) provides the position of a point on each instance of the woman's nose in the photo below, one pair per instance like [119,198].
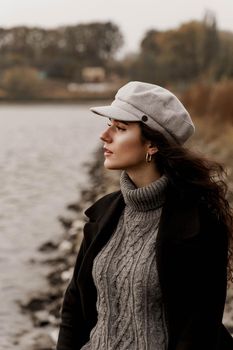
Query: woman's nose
[105,135]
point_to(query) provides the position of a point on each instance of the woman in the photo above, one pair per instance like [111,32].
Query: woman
[154,262]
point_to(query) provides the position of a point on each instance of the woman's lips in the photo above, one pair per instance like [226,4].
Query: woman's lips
[107,152]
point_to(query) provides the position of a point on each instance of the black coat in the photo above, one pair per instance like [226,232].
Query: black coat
[191,255]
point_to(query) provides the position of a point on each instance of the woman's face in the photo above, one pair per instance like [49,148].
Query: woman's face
[123,146]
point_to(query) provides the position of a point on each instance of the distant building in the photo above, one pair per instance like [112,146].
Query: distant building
[93,74]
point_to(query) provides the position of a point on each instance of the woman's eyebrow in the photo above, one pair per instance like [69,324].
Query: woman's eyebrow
[118,121]
[121,121]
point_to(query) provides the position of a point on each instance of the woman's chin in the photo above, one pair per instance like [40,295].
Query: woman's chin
[111,166]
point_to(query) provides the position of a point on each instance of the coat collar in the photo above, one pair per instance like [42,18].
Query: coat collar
[179,220]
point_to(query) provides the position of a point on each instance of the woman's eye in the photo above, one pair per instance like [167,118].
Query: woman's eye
[119,128]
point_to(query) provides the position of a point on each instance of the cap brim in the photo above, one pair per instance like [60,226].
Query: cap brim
[114,113]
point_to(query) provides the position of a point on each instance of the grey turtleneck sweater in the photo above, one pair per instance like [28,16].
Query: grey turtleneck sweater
[129,302]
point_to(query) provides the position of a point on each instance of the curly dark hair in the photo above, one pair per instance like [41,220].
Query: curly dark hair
[193,173]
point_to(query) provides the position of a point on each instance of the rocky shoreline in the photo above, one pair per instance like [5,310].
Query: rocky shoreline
[59,257]
[43,307]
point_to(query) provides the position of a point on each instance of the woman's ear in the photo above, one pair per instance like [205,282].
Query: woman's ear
[152,149]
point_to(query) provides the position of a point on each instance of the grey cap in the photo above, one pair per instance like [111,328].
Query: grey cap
[153,105]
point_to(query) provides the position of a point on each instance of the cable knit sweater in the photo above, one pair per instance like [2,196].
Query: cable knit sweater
[129,303]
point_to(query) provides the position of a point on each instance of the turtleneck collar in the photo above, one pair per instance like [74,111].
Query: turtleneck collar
[144,198]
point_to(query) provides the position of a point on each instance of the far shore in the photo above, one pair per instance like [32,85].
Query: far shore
[14,101]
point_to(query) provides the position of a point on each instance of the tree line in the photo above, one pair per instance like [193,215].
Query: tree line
[196,50]
[62,52]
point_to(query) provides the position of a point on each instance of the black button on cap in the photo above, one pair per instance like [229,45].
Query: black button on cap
[144,118]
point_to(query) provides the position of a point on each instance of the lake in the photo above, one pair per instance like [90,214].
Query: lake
[43,151]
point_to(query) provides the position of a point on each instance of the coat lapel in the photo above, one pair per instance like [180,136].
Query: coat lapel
[97,233]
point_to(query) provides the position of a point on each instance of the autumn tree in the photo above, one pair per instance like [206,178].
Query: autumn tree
[61,52]
[195,50]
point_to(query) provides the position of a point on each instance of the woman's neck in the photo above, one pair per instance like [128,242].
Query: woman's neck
[142,177]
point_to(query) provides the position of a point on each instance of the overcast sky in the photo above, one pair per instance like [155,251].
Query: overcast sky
[134,17]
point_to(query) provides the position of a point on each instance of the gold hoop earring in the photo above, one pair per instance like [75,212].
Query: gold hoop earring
[148,157]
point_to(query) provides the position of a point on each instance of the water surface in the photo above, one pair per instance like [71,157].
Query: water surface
[42,151]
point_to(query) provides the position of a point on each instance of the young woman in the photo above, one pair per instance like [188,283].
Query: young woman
[153,267]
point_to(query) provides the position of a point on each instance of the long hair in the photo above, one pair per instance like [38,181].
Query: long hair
[196,175]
